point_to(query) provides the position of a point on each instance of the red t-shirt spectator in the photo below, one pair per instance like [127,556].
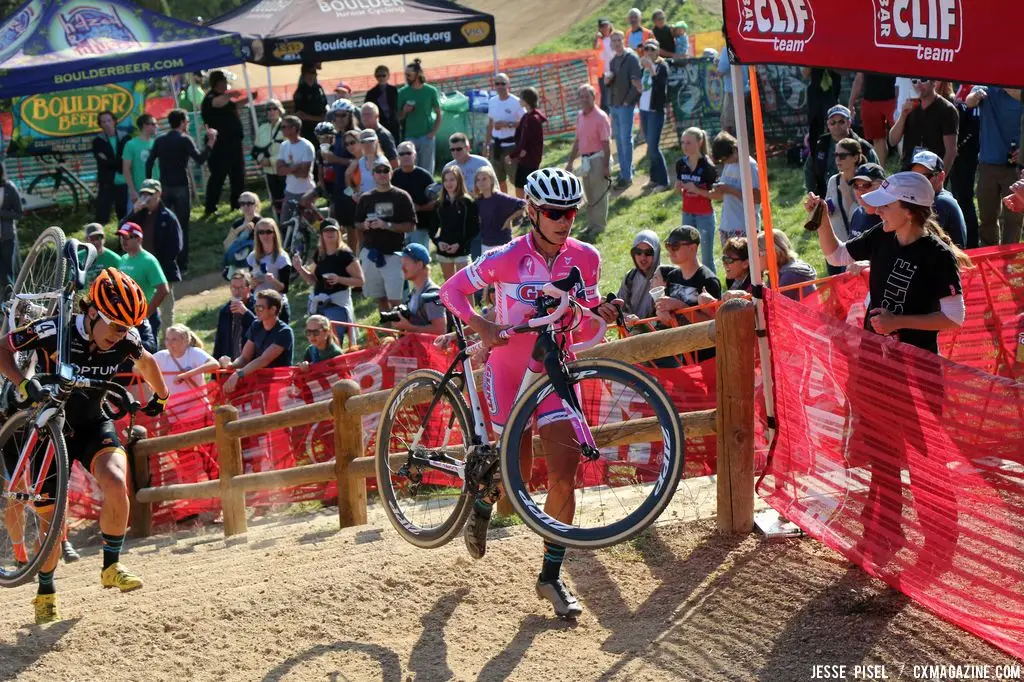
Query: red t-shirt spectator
[704,176]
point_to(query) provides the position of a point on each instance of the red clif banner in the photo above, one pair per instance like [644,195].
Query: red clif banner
[909,464]
[948,39]
[269,391]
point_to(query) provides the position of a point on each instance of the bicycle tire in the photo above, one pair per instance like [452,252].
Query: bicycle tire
[23,574]
[49,186]
[42,271]
[661,492]
[410,530]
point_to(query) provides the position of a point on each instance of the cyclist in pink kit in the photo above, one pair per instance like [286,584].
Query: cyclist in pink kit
[518,271]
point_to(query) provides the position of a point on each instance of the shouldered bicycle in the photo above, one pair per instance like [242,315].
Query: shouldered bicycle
[434,456]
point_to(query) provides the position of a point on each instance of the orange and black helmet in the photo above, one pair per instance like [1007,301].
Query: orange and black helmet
[118,298]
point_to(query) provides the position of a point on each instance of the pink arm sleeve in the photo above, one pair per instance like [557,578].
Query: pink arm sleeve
[456,291]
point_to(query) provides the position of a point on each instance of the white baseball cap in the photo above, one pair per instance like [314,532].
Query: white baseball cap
[910,187]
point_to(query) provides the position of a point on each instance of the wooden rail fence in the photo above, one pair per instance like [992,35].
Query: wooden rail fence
[731,333]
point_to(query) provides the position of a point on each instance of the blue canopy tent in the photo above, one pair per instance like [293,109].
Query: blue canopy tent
[51,45]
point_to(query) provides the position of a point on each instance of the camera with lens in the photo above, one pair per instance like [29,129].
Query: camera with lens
[395,314]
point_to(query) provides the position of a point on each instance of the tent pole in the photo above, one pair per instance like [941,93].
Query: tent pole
[404,61]
[255,123]
[270,85]
[494,52]
[747,184]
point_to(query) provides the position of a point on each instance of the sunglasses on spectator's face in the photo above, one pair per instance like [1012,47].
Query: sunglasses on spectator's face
[643,252]
[729,260]
[842,156]
[501,84]
[314,332]
[557,214]
[405,153]
[263,232]
[675,245]
[246,203]
[455,149]
[382,171]
[650,49]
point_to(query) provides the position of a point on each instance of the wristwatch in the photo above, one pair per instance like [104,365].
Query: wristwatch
[388,225]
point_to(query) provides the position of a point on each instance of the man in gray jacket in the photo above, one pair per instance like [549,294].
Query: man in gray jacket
[10,214]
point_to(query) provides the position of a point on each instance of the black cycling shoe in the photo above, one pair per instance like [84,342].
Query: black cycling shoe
[475,533]
[68,552]
[557,592]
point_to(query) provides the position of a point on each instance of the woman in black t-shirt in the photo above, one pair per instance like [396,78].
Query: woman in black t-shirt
[334,270]
[915,267]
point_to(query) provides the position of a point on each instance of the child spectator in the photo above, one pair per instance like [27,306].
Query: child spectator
[529,147]
[695,176]
[636,285]
[184,362]
[725,153]
[497,210]
[323,343]
[458,222]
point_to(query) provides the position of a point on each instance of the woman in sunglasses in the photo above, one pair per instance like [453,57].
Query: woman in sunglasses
[240,238]
[271,268]
[524,265]
[102,338]
[635,291]
[737,265]
[323,342]
[839,196]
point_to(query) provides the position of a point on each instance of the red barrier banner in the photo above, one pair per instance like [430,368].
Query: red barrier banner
[943,39]
[909,464]
[269,391]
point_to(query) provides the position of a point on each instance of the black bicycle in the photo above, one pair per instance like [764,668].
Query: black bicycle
[34,468]
[433,457]
[54,183]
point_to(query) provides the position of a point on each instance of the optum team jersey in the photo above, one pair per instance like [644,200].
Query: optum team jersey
[88,360]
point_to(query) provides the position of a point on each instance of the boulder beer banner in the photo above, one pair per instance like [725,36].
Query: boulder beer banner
[948,39]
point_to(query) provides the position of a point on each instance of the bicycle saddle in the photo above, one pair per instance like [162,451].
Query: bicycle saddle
[72,254]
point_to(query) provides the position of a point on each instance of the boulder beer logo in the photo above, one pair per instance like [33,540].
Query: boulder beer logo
[787,24]
[933,29]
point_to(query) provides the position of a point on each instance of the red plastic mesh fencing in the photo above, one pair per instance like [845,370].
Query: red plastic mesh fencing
[907,463]
[691,388]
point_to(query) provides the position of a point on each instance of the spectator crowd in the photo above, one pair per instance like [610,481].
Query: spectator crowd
[392,211]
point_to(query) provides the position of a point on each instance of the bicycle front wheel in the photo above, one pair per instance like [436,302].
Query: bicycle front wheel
[33,499]
[427,506]
[41,273]
[619,486]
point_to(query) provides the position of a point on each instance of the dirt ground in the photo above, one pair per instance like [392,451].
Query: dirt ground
[300,600]
[518,30]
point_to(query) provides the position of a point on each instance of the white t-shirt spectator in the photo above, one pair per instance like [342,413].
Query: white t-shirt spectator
[508,110]
[293,153]
[606,53]
[732,206]
[469,169]
[274,265]
[172,366]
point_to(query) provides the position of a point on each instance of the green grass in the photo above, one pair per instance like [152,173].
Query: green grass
[581,36]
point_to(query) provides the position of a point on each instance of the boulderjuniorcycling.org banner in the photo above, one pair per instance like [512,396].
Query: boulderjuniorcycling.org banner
[376,41]
[67,121]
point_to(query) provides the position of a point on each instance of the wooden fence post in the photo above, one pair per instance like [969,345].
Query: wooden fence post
[736,345]
[141,514]
[229,457]
[348,444]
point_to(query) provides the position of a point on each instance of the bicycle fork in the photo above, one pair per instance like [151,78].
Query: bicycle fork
[31,491]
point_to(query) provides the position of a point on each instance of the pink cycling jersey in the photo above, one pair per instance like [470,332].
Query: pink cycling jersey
[518,272]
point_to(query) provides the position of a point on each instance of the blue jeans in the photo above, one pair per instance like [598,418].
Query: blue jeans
[417,236]
[622,131]
[425,148]
[705,224]
[652,122]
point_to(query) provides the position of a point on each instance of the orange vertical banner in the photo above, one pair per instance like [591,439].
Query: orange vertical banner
[762,173]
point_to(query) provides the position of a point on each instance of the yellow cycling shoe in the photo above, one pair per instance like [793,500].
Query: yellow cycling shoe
[47,608]
[118,576]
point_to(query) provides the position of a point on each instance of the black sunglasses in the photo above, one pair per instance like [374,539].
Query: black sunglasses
[842,156]
[246,203]
[381,171]
[643,252]
[675,245]
[405,153]
[729,260]
[264,232]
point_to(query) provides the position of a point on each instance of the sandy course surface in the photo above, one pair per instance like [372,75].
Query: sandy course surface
[298,599]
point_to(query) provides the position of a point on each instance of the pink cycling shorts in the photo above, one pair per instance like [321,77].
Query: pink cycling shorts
[503,375]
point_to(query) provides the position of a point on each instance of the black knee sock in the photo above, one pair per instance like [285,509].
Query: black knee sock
[46,583]
[553,557]
[112,545]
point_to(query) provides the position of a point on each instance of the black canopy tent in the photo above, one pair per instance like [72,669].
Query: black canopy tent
[289,31]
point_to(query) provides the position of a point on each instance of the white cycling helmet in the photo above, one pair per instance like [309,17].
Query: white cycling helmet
[341,104]
[554,187]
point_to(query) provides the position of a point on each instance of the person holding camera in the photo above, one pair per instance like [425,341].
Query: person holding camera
[235,317]
[383,215]
[417,316]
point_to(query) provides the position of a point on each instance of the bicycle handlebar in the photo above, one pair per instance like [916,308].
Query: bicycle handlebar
[119,401]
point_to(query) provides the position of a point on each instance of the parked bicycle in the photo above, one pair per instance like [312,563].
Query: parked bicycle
[433,455]
[34,468]
[300,232]
[47,189]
